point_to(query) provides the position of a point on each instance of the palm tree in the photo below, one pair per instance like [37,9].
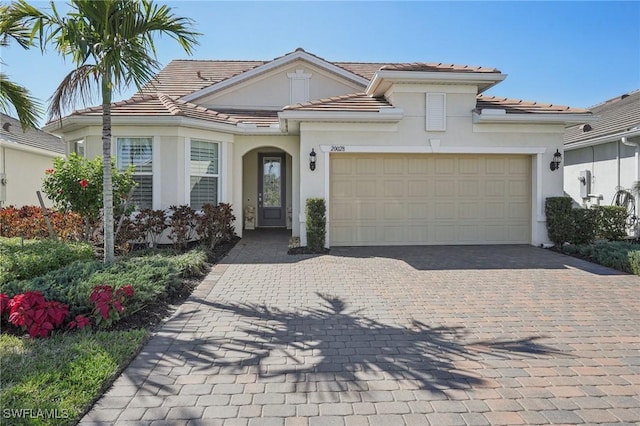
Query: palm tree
[12,94]
[111,44]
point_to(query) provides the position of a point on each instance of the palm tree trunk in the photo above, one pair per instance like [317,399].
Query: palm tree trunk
[107,180]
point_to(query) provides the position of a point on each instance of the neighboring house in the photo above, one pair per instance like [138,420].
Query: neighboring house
[24,157]
[602,157]
[408,153]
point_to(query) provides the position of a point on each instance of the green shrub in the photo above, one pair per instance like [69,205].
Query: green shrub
[559,219]
[37,257]
[316,224]
[611,222]
[618,255]
[583,226]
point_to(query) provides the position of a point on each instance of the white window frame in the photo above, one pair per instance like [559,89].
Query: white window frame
[189,174]
[155,158]
[73,147]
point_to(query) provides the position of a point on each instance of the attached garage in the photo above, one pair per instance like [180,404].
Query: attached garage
[411,199]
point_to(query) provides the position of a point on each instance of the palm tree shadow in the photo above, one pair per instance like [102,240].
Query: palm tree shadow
[346,348]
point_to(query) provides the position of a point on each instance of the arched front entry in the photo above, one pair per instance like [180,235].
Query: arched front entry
[267,188]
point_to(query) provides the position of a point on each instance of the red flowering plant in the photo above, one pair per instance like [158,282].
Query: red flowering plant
[31,312]
[109,304]
[75,184]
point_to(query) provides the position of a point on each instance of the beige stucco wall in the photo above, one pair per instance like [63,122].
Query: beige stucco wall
[24,171]
[461,136]
[271,90]
[607,172]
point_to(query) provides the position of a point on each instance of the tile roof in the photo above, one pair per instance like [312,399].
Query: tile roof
[436,67]
[356,102]
[10,130]
[179,78]
[518,106]
[616,115]
[162,105]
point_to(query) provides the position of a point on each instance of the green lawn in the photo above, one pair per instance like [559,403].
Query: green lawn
[53,381]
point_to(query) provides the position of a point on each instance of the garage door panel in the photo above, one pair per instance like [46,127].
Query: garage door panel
[467,166]
[366,166]
[418,211]
[394,188]
[495,210]
[468,188]
[495,166]
[419,188]
[393,166]
[518,210]
[419,166]
[395,211]
[445,188]
[445,166]
[365,189]
[379,199]
[342,188]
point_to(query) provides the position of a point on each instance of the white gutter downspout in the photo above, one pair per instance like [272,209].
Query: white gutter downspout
[637,156]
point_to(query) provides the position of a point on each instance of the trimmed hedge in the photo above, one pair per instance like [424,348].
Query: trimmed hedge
[20,260]
[566,224]
[316,224]
[559,219]
[612,222]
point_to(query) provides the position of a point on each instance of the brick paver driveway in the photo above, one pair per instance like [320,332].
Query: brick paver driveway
[391,336]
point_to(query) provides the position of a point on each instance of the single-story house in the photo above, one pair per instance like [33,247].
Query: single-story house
[24,157]
[402,153]
[603,157]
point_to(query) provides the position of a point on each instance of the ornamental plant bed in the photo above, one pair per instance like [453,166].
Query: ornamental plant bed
[152,315]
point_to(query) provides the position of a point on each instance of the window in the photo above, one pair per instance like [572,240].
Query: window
[436,111]
[203,185]
[77,147]
[139,153]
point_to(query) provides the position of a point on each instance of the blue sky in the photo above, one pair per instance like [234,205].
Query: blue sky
[562,52]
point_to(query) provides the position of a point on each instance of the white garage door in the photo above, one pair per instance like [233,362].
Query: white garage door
[395,199]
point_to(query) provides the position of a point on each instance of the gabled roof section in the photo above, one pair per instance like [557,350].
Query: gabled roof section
[617,116]
[11,131]
[298,54]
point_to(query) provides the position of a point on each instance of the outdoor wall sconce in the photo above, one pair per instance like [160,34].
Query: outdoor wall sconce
[555,163]
[312,159]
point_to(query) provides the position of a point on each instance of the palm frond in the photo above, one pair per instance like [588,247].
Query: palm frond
[14,96]
[77,87]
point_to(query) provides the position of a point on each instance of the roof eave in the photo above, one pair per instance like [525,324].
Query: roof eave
[71,123]
[602,139]
[290,120]
[534,118]
[383,79]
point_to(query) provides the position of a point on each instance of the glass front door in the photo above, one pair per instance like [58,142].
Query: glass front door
[271,190]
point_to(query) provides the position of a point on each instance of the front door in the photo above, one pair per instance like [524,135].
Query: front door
[271,190]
